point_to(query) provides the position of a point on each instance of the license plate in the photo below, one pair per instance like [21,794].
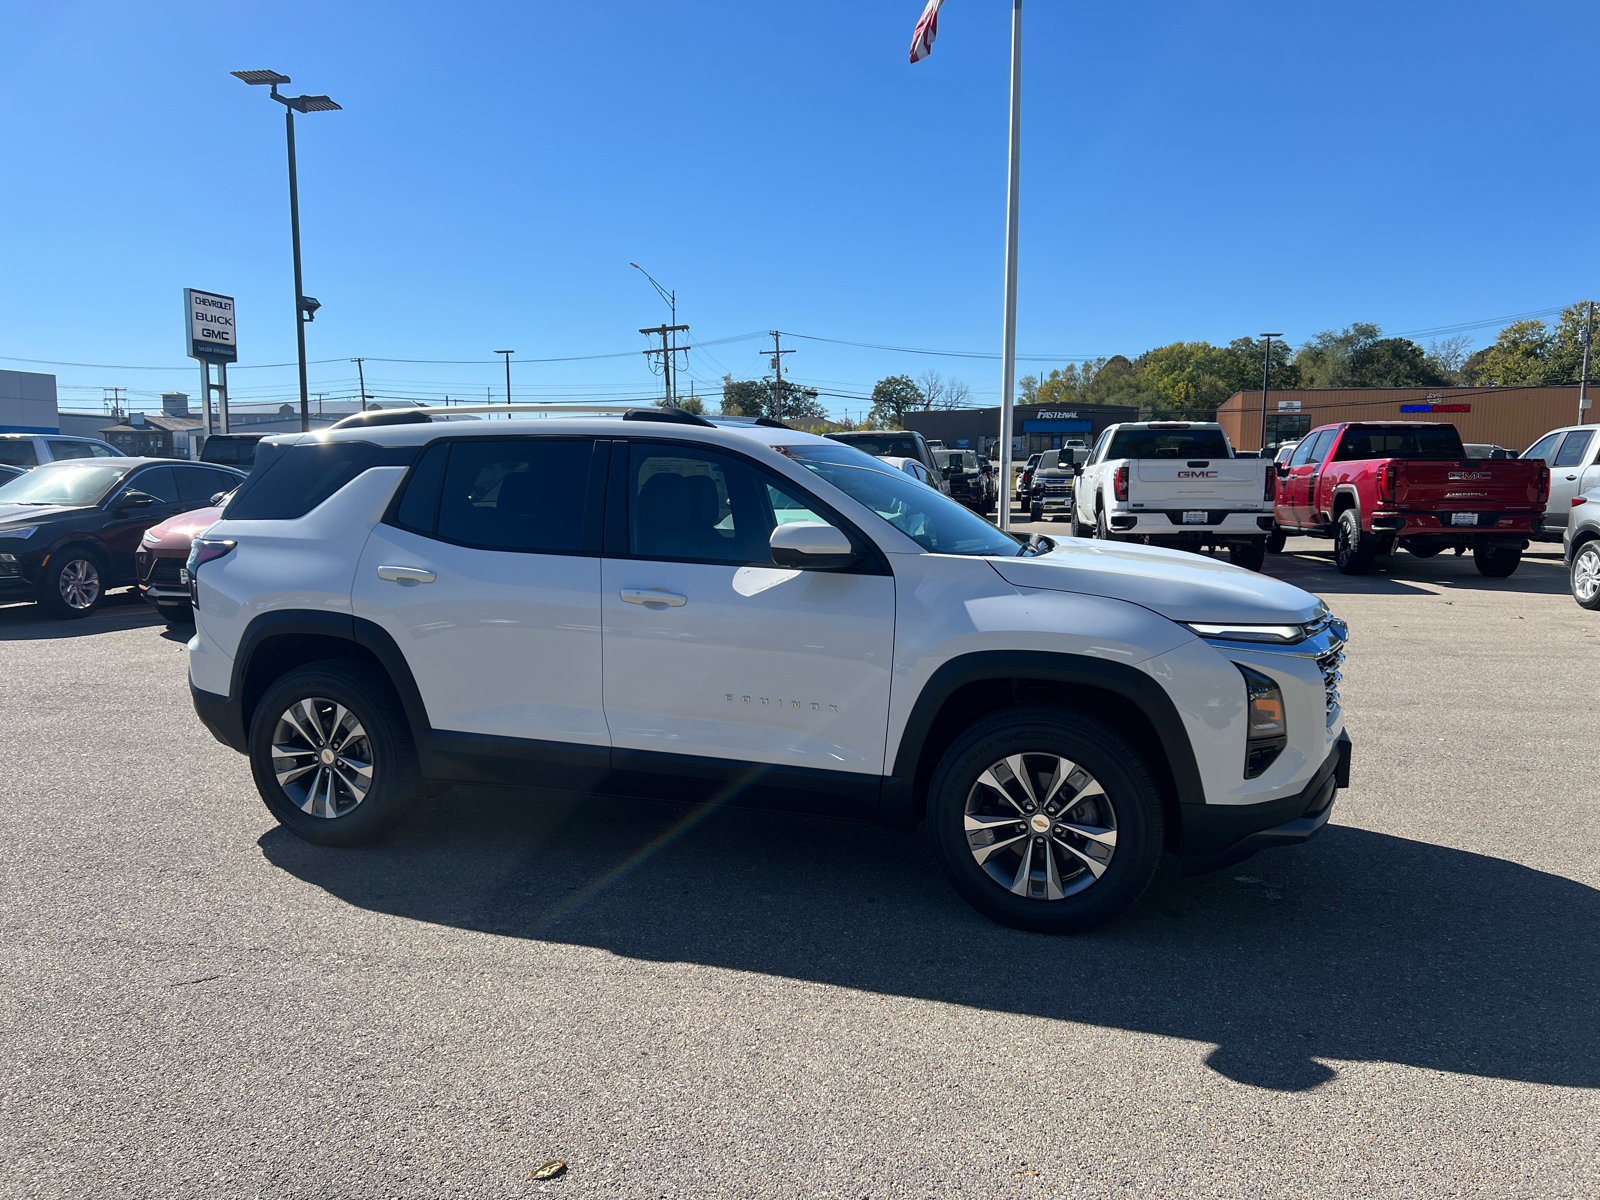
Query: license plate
[1196,518]
[1463,518]
[183,576]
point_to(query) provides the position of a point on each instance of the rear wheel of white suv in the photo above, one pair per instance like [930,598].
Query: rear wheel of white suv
[1046,819]
[332,754]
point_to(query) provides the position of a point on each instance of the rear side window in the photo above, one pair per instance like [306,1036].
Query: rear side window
[18,452]
[292,480]
[226,450]
[1438,443]
[1168,443]
[889,445]
[198,483]
[1573,449]
[524,494]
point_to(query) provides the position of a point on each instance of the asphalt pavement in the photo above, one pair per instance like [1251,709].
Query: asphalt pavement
[684,1004]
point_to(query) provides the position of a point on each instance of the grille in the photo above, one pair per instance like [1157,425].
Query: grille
[1053,488]
[165,571]
[1330,662]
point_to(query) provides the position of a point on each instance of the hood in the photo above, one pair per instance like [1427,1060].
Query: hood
[1178,585]
[175,533]
[32,514]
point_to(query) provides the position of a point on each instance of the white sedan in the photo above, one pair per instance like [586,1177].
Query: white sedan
[912,468]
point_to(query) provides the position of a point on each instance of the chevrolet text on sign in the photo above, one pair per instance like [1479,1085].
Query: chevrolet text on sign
[212,334]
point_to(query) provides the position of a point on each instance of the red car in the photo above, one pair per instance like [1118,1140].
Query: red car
[1376,486]
[159,561]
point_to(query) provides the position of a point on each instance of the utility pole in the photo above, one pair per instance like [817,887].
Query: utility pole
[1583,380]
[669,348]
[1266,373]
[361,375]
[777,374]
[508,354]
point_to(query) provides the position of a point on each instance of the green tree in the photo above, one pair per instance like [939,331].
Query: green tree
[1360,356]
[1520,355]
[892,398]
[759,398]
[690,404]
[742,397]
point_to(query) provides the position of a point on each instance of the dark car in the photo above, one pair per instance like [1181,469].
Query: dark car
[1025,477]
[1052,483]
[895,443]
[69,530]
[967,483]
[237,450]
[8,473]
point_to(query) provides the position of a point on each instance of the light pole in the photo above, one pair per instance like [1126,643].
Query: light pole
[1266,372]
[672,304]
[508,354]
[305,307]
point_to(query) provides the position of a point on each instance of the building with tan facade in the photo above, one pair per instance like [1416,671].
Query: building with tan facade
[1514,417]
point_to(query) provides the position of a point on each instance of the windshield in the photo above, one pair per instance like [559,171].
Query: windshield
[892,445]
[78,483]
[929,518]
[963,460]
[1169,443]
[1438,442]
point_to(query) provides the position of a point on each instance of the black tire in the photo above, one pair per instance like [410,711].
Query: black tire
[1102,530]
[175,612]
[1080,530]
[73,584]
[1353,551]
[1424,549]
[1276,540]
[395,783]
[1584,575]
[1496,564]
[1252,556]
[1042,734]
[1035,514]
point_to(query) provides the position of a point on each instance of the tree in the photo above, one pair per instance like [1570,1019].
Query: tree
[689,404]
[1360,356]
[1448,355]
[758,398]
[1520,355]
[892,398]
[742,397]
[1028,389]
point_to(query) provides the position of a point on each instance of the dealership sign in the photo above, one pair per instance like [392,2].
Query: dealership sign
[1288,406]
[213,335]
[1433,408]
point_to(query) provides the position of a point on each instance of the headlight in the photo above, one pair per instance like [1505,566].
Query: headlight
[22,534]
[1283,635]
[1268,730]
[149,539]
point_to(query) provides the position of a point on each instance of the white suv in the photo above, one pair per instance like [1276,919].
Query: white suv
[665,606]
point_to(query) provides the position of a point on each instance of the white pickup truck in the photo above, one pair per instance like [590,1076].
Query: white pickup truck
[1177,484]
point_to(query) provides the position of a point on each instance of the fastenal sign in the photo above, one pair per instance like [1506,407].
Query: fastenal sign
[213,336]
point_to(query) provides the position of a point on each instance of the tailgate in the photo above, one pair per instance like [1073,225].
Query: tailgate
[1219,482]
[1489,483]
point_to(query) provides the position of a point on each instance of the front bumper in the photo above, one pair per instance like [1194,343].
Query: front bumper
[223,716]
[1219,835]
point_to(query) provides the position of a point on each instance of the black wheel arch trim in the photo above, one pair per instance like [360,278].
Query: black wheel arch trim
[900,803]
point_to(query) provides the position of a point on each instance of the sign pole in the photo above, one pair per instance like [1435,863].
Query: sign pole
[1008,371]
[205,396]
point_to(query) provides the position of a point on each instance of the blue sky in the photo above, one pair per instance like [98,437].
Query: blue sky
[1191,170]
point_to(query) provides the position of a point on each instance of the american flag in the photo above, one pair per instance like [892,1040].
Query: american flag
[927,29]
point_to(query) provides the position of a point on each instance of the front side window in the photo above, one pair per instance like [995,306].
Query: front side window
[929,517]
[1543,447]
[689,503]
[63,450]
[1573,449]
[1100,447]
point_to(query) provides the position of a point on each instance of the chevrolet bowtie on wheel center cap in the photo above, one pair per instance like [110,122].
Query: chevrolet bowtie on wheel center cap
[321,757]
[1040,826]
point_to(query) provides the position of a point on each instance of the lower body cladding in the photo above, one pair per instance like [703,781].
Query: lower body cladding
[1209,837]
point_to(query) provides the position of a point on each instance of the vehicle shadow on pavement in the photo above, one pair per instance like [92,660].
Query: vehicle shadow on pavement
[1359,946]
[27,622]
[1400,573]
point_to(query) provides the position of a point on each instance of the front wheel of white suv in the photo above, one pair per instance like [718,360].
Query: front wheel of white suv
[332,755]
[1046,819]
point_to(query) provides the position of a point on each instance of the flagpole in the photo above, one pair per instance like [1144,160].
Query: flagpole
[1008,370]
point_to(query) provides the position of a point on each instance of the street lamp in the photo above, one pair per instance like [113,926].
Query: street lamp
[508,354]
[305,307]
[672,303]
[1266,371]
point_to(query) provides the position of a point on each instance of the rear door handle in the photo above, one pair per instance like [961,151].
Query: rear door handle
[654,596]
[407,574]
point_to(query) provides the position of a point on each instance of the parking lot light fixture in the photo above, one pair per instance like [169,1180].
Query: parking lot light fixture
[305,307]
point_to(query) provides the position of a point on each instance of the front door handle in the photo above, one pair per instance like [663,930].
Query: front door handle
[407,574]
[654,596]
[1571,476]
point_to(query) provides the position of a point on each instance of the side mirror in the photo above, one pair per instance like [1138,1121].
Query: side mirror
[811,544]
[1283,470]
[947,472]
[216,500]
[135,499]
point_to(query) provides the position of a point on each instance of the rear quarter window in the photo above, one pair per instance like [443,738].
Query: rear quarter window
[290,481]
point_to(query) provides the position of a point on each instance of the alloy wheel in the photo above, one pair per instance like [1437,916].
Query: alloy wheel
[1040,826]
[322,757]
[1586,574]
[79,583]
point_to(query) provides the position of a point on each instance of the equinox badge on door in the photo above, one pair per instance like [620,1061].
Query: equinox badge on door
[768,700]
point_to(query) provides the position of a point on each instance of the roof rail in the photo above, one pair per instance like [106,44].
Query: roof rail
[409,416]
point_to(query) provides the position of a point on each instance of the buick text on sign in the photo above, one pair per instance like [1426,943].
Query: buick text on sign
[212,332]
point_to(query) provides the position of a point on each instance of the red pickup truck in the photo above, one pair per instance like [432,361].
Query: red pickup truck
[1372,486]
